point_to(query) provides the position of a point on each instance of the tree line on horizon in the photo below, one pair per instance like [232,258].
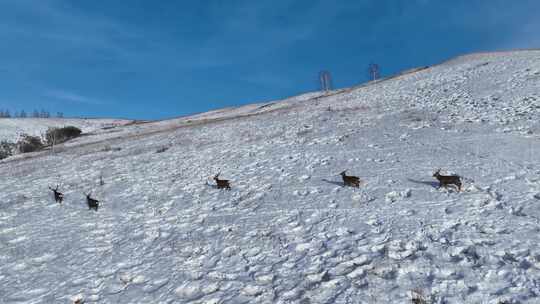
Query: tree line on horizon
[35,114]
[31,143]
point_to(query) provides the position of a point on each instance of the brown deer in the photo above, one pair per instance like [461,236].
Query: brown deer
[92,203]
[445,180]
[58,196]
[222,183]
[349,180]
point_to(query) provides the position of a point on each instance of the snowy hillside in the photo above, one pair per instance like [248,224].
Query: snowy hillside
[288,231]
[12,128]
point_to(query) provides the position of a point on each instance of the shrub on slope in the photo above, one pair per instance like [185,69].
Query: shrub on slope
[59,135]
[29,143]
[6,149]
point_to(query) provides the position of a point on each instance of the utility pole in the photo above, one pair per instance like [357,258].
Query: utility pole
[374,71]
[325,80]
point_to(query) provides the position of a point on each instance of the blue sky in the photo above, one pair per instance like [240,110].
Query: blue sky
[158,59]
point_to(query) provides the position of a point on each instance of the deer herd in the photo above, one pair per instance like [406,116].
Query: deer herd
[348,180]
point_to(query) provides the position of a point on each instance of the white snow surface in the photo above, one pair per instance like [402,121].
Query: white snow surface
[288,231]
[12,128]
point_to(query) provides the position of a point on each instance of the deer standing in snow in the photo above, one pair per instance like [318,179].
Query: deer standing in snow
[349,180]
[222,183]
[445,180]
[58,196]
[92,203]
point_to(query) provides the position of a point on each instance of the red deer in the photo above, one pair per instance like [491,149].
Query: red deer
[445,180]
[348,180]
[92,203]
[58,196]
[222,183]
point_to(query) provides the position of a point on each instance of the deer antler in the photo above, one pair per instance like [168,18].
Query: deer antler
[54,189]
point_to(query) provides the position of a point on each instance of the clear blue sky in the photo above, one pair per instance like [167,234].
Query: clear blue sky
[157,59]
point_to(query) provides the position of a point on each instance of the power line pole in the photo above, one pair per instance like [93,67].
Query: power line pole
[374,71]
[325,80]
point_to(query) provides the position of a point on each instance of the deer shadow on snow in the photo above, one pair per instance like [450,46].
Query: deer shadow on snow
[341,184]
[434,184]
[212,186]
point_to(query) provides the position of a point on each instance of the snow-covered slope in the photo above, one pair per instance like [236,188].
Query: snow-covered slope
[288,231]
[12,128]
